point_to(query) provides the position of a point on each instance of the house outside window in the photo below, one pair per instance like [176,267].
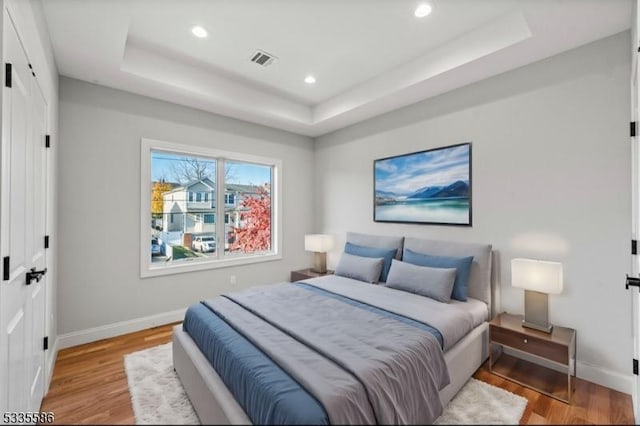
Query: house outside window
[247,188]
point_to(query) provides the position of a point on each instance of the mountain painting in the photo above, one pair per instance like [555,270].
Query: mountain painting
[431,186]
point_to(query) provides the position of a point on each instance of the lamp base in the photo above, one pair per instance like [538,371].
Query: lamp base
[544,328]
[536,311]
[320,263]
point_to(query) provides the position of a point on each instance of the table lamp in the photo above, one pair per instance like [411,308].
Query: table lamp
[538,278]
[320,244]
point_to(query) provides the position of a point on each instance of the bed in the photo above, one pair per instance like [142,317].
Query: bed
[250,355]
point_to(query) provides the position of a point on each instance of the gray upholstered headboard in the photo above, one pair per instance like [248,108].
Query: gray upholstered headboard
[480,276]
[381,241]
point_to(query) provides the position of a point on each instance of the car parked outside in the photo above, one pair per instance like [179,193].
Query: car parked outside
[156,247]
[204,244]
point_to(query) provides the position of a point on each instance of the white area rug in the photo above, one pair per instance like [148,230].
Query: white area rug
[483,404]
[156,393]
[158,397]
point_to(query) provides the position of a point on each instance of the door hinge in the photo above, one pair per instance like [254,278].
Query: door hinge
[6,270]
[45,344]
[631,282]
[46,241]
[47,141]
[634,246]
[7,74]
[632,129]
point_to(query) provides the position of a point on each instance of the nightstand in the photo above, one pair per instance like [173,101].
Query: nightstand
[304,274]
[557,350]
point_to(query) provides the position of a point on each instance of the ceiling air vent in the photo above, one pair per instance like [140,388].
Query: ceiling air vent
[262,58]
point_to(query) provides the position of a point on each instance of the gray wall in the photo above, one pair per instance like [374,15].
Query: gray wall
[99,197]
[551,180]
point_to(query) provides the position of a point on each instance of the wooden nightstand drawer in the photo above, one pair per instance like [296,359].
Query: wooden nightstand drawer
[519,354]
[530,344]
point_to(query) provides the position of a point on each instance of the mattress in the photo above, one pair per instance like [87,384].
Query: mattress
[265,390]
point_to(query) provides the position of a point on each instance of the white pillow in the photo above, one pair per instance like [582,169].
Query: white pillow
[365,269]
[436,283]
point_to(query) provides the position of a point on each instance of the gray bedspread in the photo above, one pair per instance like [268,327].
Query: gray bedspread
[363,367]
[452,320]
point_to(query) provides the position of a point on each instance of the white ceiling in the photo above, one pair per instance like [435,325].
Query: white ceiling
[368,56]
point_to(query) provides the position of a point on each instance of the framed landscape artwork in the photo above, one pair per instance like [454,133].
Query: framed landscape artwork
[431,186]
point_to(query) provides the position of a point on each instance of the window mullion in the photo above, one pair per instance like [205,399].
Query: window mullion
[220,191]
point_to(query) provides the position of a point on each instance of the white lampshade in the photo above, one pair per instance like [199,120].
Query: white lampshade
[537,275]
[319,243]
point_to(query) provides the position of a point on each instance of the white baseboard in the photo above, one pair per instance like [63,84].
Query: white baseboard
[117,329]
[611,379]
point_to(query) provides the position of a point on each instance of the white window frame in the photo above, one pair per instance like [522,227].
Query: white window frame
[147,268]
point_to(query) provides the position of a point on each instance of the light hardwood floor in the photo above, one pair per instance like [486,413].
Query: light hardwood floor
[89,386]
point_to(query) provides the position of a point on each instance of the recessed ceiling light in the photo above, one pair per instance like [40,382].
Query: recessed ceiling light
[309,79]
[199,32]
[422,10]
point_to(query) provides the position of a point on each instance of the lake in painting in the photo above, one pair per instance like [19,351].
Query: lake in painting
[425,187]
[442,211]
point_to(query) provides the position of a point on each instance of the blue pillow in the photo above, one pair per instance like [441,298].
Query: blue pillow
[462,265]
[387,254]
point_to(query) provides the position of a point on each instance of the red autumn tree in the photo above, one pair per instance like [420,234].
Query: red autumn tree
[255,232]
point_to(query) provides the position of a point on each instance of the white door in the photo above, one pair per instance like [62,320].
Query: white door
[22,230]
[36,215]
[635,197]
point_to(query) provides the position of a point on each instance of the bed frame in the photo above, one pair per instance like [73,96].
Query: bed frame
[215,404]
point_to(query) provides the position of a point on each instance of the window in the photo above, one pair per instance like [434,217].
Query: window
[246,187]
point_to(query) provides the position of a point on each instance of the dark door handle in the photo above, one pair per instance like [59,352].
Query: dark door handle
[631,281]
[35,275]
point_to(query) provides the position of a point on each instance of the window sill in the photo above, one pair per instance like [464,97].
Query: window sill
[156,271]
